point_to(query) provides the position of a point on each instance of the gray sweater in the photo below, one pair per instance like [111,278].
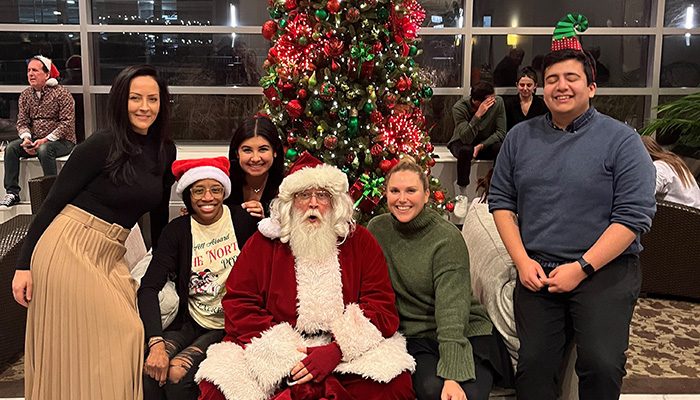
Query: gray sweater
[568,186]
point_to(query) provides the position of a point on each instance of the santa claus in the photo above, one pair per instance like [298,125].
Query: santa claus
[309,306]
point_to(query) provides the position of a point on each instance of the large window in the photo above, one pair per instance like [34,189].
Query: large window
[211,53]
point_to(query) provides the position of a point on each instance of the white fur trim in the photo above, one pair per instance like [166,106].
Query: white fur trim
[271,357]
[204,172]
[322,176]
[382,363]
[355,333]
[225,367]
[319,294]
[51,82]
[270,228]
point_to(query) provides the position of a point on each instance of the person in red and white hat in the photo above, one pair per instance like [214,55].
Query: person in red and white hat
[197,252]
[309,306]
[45,124]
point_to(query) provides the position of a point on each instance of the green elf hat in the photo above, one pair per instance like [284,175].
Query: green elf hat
[565,33]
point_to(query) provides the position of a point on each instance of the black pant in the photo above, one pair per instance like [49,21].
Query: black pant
[189,335]
[428,385]
[596,315]
[464,154]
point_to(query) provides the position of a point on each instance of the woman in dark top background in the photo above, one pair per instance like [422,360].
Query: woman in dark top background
[84,336]
[257,165]
[184,255]
[526,104]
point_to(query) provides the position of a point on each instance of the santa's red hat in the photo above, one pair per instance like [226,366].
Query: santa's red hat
[187,172]
[309,172]
[53,71]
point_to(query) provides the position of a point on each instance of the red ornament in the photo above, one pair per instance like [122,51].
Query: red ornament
[287,90]
[269,29]
[334,47]
[376,117]
[403,84]
[301,93]
[353,15]
[377,150]
[308,124]
[366,69]
[272,95]
[272,55]
[330,142]
[431,162]
[290,4]
[292,140]
[439,196]
[350,157]
[450,207]
[390,100]
[385,165]
[294,109]
[429,147]
[333,6]
[377,47]
[327,91]
[334,66]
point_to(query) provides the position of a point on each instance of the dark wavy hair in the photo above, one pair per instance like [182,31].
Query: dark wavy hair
[125,148]
[570,54]
[527,72]
[262,126]
[481,90]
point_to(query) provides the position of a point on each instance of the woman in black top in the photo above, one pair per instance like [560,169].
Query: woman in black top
[84,337]
[197,252]
[257,165]
[525,105]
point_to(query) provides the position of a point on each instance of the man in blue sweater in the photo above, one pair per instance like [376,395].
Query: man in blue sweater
[572,192]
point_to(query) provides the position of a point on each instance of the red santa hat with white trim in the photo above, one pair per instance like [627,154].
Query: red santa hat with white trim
[309,172]
[187,172]
[53,71]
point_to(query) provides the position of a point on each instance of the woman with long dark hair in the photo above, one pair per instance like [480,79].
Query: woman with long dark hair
[674,181]
[84,336]
[257,165]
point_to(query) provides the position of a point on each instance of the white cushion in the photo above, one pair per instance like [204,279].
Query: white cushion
[167,297]
[493,273]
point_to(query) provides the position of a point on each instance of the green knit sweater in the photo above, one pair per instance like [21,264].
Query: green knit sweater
[429,268]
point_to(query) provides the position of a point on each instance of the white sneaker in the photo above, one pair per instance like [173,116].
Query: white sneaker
[10,200]
[461,206]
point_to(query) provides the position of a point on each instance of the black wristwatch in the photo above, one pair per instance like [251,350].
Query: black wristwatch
[586,266]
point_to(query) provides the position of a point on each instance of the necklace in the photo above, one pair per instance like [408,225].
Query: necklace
[256,191]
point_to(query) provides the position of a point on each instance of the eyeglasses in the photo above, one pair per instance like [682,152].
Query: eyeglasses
[199,191]
[322,196]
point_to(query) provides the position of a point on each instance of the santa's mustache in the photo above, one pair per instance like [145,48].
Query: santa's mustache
[312,213]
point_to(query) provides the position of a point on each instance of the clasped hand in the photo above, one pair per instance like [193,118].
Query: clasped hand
[318,364]
[562,279]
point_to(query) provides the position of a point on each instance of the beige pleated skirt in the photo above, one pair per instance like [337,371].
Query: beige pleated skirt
[84,336]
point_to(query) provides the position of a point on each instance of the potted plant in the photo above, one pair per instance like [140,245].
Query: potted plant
[678,123]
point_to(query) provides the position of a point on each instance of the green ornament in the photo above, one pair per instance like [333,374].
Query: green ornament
[411,63]
[282,23]
[368,107]
[427,92]
[355,163]
[275,13]
[315,36]
[302,40]
[291,154]
[390,66]
[312,80]
[353,126]
[321,15]
[316,106]
[416,102]
[383,14]
[412,51]
[343,114]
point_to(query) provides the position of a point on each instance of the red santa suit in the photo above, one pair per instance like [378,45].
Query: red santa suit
[276,304]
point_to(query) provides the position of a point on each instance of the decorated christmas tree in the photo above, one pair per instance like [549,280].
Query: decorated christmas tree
[342,84]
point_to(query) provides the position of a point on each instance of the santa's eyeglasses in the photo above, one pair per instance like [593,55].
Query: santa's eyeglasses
[322,196]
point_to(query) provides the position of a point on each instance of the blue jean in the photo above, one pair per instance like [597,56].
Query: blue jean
[47,154]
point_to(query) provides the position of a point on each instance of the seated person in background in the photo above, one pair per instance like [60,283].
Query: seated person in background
[458,353]
[674,181]
[257,165]
[45,123]
[197,251]
[507,69]
[480,126]
[525,105]
[309,306]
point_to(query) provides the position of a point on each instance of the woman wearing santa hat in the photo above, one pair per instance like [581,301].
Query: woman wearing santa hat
[197,251]
[84,336]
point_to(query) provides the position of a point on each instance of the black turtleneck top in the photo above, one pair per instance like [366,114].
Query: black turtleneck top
[84,183]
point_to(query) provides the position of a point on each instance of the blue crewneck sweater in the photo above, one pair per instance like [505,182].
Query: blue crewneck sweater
[568,186]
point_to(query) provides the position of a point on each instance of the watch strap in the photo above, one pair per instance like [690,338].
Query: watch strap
[586,266]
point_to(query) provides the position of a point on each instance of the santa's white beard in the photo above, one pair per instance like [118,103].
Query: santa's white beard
[312,242]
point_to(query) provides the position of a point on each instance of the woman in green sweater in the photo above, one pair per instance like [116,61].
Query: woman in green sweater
[458,353]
